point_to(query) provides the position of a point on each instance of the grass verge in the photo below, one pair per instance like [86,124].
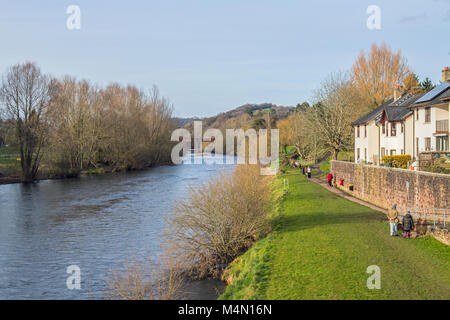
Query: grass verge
[321,247]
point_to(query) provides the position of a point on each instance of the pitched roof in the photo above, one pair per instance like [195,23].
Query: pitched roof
[395,114]
[445,96]
[372,114]
[396,110]
[434,96]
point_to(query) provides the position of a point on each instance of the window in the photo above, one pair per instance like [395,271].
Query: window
[357,131]
[428,144]
[393,152]
[383,152]
[417,146]
[402,127]
[442,143]
[384,128]
[393,129]
[417,114]
[365,131]
[365,154]
[357,154]
[427,115]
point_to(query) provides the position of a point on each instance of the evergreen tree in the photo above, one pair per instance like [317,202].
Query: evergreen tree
[427,85]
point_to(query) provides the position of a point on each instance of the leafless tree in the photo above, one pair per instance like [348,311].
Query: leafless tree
[221,219]
[25,95]
[336,107]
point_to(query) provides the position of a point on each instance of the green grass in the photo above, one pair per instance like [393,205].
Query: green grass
[322,246]
[346,156]
[8,157]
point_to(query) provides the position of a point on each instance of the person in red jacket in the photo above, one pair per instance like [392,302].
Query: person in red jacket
[330,179]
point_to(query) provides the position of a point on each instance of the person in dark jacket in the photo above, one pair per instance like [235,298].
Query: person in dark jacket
[408,225]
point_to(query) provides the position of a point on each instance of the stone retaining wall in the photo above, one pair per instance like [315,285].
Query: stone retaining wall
[387,186]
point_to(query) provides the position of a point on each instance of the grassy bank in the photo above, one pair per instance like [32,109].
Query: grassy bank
[322,246]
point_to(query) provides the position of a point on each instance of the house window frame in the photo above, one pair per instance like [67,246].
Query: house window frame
[427,141]
[365,131]
[442,143]
[393,129]
[417,146]
[427,115]
[357,131]
[358,154]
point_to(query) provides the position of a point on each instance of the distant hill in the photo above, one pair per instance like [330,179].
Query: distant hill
[246,116]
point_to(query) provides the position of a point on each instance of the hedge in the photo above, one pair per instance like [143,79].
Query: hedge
[400,161]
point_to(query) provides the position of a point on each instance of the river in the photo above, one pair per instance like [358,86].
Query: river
[94,222]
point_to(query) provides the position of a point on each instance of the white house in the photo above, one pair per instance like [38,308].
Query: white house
[386,130]
[408,124]
[432,117]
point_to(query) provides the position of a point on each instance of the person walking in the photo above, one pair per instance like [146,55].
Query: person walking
[408,225]
[309,172]
[392,215]
[330,179]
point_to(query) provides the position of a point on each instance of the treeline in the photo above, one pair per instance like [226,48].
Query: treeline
[324,127]
[64,126]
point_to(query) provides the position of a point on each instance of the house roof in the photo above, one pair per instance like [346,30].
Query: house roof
[445,96]
[395,114]
[372,114]
[396,110]
[434,96]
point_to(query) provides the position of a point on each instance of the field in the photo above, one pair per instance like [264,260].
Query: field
[322,246]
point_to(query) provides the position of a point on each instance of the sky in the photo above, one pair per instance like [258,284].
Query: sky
[210,56]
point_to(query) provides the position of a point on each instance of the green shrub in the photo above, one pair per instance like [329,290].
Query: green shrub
[439,169]
[400,161]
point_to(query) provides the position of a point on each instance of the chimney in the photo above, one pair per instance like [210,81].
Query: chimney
[446,74]
[397,93]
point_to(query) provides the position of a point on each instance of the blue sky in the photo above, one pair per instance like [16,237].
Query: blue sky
[209,56]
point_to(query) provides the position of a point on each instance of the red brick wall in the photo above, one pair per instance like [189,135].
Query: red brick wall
[387,186]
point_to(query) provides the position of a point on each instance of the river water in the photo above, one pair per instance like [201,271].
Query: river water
[94,222]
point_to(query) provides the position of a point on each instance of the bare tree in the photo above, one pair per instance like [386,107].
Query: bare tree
[25,95]
[221,219]
[337,102]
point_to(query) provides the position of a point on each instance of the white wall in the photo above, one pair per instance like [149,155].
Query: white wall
[362,142]
[389,142]
[409,135]
[426,130]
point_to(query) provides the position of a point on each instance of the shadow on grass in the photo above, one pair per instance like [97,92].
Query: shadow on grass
[303,221]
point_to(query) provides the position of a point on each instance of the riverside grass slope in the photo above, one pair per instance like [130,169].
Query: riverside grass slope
[321,247]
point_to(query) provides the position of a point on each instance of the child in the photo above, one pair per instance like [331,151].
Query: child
[408,225]
[392,215]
